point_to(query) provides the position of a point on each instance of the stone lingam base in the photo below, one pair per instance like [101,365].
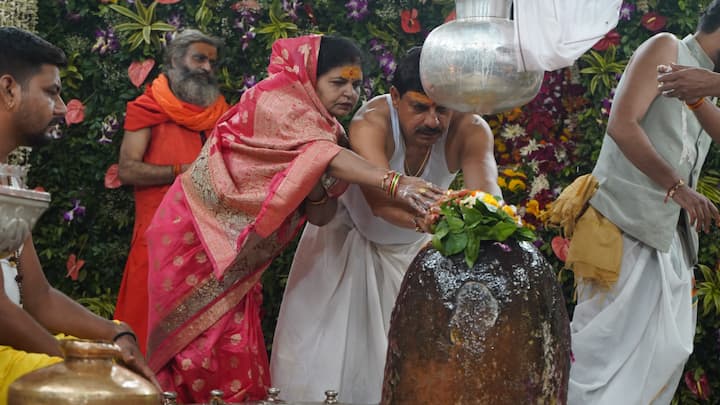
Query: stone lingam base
[496,333]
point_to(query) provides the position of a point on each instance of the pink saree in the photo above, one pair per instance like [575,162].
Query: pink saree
[221,224]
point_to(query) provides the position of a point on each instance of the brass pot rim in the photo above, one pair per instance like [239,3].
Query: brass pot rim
[85,348]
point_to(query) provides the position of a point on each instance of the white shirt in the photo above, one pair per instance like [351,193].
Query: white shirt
[552,34]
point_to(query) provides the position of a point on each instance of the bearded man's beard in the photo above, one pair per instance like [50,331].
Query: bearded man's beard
[195,87]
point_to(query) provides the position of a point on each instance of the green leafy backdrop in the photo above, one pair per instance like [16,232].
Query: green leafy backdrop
[541,147]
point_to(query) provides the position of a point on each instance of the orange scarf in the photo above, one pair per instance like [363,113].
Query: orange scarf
[179,112]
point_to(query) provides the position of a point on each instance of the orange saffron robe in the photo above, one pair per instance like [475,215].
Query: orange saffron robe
[170,144]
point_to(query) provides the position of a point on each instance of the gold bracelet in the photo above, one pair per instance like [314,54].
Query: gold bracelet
[694,106]
[672,190]
[394,185]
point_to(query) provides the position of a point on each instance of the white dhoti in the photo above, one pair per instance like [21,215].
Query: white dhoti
[630,343]
[333,324]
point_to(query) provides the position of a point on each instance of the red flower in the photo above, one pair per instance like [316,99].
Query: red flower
[700,387]
[75,112]
[611,38]
[409,21]
[138,71]
[653,21]
[560,247]
[451,17]
[111,177]
[73,266]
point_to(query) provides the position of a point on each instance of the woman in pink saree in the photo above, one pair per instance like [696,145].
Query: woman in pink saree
[272,161]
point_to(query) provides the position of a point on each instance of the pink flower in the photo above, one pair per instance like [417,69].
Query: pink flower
[75,112]
[700,387]
[560,247]
[112,180]
[138,71]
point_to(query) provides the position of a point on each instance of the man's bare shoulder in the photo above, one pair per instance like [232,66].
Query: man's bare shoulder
[663,43]
[468,124]
[374,113]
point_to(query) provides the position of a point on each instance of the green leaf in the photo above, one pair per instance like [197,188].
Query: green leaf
[128,27]
[146,31]
[442,229]
[455,243]
[473,249]
[127,13]
[455,224]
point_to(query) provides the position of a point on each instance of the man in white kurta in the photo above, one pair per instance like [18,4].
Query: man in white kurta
[631,341]
[334,319]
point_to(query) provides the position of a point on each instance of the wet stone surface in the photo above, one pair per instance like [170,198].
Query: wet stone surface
[496,333]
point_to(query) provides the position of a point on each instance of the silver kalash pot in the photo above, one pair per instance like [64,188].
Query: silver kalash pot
[472,64]
[19,208]
[273,398]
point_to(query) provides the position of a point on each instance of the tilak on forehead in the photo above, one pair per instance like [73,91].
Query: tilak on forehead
[418,97]
[351,73]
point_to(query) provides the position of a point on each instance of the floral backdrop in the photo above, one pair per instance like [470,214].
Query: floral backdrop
[115,46]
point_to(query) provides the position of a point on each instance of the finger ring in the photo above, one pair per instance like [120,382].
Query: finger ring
[422,190]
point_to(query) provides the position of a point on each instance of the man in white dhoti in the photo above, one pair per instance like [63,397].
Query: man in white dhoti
[631,341]
[334,319]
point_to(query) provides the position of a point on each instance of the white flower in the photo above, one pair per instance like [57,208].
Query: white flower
[534,166]
[531,147]
[512,131]
[539,184]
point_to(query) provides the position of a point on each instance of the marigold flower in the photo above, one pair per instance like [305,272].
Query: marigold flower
[533,207]
[516,185]
[501,182]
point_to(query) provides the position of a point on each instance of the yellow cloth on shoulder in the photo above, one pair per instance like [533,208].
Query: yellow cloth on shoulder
[595,251]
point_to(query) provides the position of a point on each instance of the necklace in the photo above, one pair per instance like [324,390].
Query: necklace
[422,165]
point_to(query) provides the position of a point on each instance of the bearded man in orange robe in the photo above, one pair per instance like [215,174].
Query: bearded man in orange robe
[164,130]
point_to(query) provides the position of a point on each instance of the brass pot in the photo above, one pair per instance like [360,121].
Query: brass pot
[89,376]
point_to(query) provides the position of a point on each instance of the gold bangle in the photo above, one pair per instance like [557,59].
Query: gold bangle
[672,190]
[694,106]
[394,185]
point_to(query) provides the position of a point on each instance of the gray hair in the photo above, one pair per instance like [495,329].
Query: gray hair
[181,42]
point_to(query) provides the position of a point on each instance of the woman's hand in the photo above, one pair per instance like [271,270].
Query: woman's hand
[418,193]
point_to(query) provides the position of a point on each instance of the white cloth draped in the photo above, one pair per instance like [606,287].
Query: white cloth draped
[552,34]
[630,343]
[333,324]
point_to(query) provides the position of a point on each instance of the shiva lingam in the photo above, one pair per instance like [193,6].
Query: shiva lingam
[472,64]
[89,375]
[19,208]
[273,397]
[480,318]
